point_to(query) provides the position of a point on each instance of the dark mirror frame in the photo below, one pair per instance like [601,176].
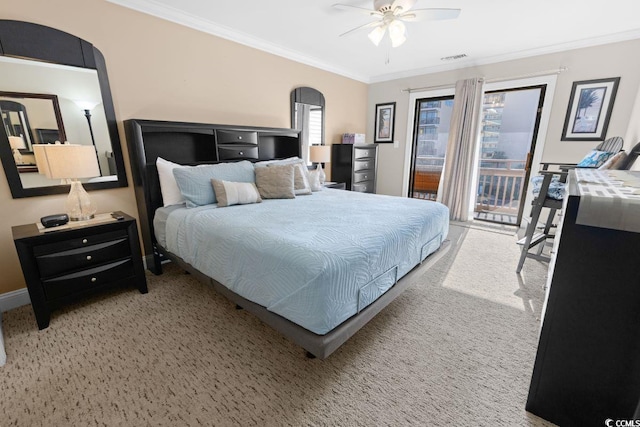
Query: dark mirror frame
[307,95]
[26,40]
[56,111]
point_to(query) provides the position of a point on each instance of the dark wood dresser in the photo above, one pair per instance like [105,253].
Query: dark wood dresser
[355,165]
[587,366]
[65,263]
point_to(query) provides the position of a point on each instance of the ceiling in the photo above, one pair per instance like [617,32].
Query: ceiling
[486,31]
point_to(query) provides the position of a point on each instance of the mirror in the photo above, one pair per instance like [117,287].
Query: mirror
[54,88]
[28,119]
[307,115]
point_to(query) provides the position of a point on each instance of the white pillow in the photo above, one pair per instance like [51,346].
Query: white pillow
[171,194]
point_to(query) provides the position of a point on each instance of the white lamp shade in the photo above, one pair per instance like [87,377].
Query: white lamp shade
[41,159]
[68,161]
[376,34]
[17,142]
[397,33]
[86,105]
[320,153]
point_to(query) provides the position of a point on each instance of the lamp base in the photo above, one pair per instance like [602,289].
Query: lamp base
[17,156]
[79,206]
[321,175]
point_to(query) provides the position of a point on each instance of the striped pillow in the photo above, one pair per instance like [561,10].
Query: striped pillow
[235,193]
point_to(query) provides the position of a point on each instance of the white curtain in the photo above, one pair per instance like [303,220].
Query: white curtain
[459,180]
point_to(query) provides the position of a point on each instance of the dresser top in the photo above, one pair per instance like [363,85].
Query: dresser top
[26,231]
[608,198]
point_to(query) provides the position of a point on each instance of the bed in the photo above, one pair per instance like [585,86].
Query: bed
[315,267]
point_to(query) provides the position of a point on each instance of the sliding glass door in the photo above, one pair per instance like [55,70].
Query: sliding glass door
[510,121]
[430,136]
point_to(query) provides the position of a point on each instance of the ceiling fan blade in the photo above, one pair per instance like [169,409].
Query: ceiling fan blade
[431,14]
[369,25]
[342,6]
[409,17]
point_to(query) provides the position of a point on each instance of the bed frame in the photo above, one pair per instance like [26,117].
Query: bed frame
[197,143]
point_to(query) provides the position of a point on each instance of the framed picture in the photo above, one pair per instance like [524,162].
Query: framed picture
[385,119]
[589,110]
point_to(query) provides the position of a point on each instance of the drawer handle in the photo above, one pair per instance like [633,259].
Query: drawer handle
[239,137]
[93,280]
[365,176]
[241,153]
[88,257]
[84,240]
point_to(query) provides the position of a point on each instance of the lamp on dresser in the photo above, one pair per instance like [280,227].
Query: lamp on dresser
[70,162]
[320,154]
[17,143]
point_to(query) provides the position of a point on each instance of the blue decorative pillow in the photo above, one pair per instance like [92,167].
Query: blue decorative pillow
[195,182]
[594,159]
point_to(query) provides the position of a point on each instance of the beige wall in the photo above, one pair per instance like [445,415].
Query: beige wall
[163,71]
[613,60]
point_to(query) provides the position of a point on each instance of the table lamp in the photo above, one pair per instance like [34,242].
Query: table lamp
[320,154]
[17,143]
[71,162]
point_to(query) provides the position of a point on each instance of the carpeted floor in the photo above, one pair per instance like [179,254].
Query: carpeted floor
[456,348]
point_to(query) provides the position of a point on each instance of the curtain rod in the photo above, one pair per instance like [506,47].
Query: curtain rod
[498,79]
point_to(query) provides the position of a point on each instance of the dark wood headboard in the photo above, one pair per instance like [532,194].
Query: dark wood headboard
[192,144]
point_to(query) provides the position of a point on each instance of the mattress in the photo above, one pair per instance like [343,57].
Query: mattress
[160,222]
[316,260]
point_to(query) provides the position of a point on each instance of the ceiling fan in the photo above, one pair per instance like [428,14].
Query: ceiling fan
[391,15]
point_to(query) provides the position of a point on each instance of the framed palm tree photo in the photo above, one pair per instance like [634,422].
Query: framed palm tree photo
[589,110]
[385,118]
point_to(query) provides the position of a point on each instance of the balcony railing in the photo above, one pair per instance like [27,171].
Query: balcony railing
[500,183]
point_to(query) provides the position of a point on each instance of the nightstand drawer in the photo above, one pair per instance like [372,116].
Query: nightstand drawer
[363,187]
[363,153]
[83,257]
[84,241]
[84,280]
[363,176]
[359,165]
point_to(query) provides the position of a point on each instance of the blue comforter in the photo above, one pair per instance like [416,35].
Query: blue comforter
[316,260]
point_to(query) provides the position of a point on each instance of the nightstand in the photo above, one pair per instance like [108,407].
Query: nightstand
[336,185]
[63,264]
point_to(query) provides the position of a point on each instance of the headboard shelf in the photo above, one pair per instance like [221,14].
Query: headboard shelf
[192,144]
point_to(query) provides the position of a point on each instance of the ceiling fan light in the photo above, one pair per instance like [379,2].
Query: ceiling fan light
[377,34]
[398,40]
[397,32]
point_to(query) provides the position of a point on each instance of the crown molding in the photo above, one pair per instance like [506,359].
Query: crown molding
[151,7]
[168,13]
[471,62]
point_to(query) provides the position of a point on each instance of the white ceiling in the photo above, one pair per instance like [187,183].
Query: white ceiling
[486,31]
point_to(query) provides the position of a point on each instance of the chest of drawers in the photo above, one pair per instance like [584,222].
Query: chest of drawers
[62,265]
[355,165]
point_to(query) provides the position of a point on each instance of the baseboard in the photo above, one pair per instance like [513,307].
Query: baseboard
[3,355]
[14,299]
